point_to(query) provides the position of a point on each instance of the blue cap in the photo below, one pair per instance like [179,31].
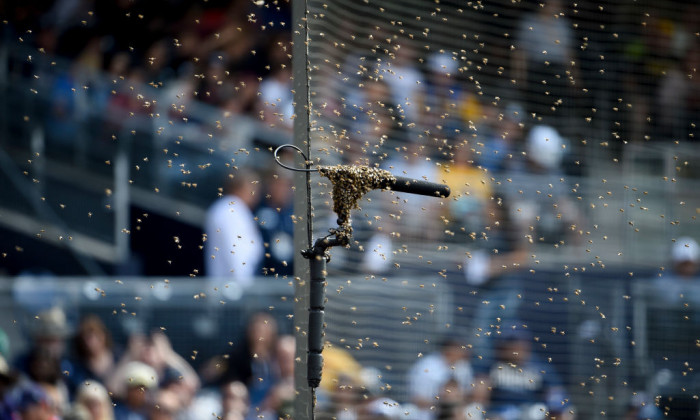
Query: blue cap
[25,396]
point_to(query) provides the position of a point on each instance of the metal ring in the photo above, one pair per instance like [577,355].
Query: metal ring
[306,159]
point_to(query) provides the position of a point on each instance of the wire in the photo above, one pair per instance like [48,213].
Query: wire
[291,168]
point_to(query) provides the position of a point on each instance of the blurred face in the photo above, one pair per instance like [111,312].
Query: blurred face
[95,340]
[377,92]
[454,353]
[263,332]
[44,367]
[516,351]
[511,129]
[234,398]
[54,346]
[346,394]
[687,268]
[551,7]
[280,191]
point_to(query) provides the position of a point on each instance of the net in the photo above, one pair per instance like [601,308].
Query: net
[534,115]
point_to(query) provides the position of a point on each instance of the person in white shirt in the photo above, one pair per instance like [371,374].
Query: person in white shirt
[430,374]
[234,247]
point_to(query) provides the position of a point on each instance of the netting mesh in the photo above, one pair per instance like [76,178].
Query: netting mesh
[533,114]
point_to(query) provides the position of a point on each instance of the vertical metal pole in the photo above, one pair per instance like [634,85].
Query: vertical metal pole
[120,203]
[317,302]
[37,143]
[303,404]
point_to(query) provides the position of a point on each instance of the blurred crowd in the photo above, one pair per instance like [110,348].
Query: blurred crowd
[80,373]
[417,114]
[205,49]
[236,55]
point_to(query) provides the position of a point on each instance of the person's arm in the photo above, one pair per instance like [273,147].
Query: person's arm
[173,360]
[115,382]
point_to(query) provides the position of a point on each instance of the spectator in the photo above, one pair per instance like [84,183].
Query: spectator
[375,404]
[215,87]
[228,401]
[683,282]
[137,382]
[405,81]
[376,123]
[519,385]
[276,101]
[673,327]
[94,357]
[8,379]
[500,151]
[544,56]
[235,401]
[244,99]
[62,124]
[279,400]
[677,102]
[498,253]
[255,362]
[234,246]
[540,196]
[170,369]
[344,399]
[44,369]
[46,359]
[429,375]
[94,397]
[449,103]
[30,402]
[274,215]
[451,401]
[156,63]
[471,193]
[422,212]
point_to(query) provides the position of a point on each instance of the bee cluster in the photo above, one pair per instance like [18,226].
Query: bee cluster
[350,183]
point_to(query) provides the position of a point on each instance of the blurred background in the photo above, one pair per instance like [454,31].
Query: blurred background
[565,130]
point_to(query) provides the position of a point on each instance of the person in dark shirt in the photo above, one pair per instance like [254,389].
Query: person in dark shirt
[274,216]
[254,362]
[521,386]
[672,302]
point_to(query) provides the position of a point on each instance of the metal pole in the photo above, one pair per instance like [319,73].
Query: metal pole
[303,404]
[121,200]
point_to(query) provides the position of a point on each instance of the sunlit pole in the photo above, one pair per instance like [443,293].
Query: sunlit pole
[303,405]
